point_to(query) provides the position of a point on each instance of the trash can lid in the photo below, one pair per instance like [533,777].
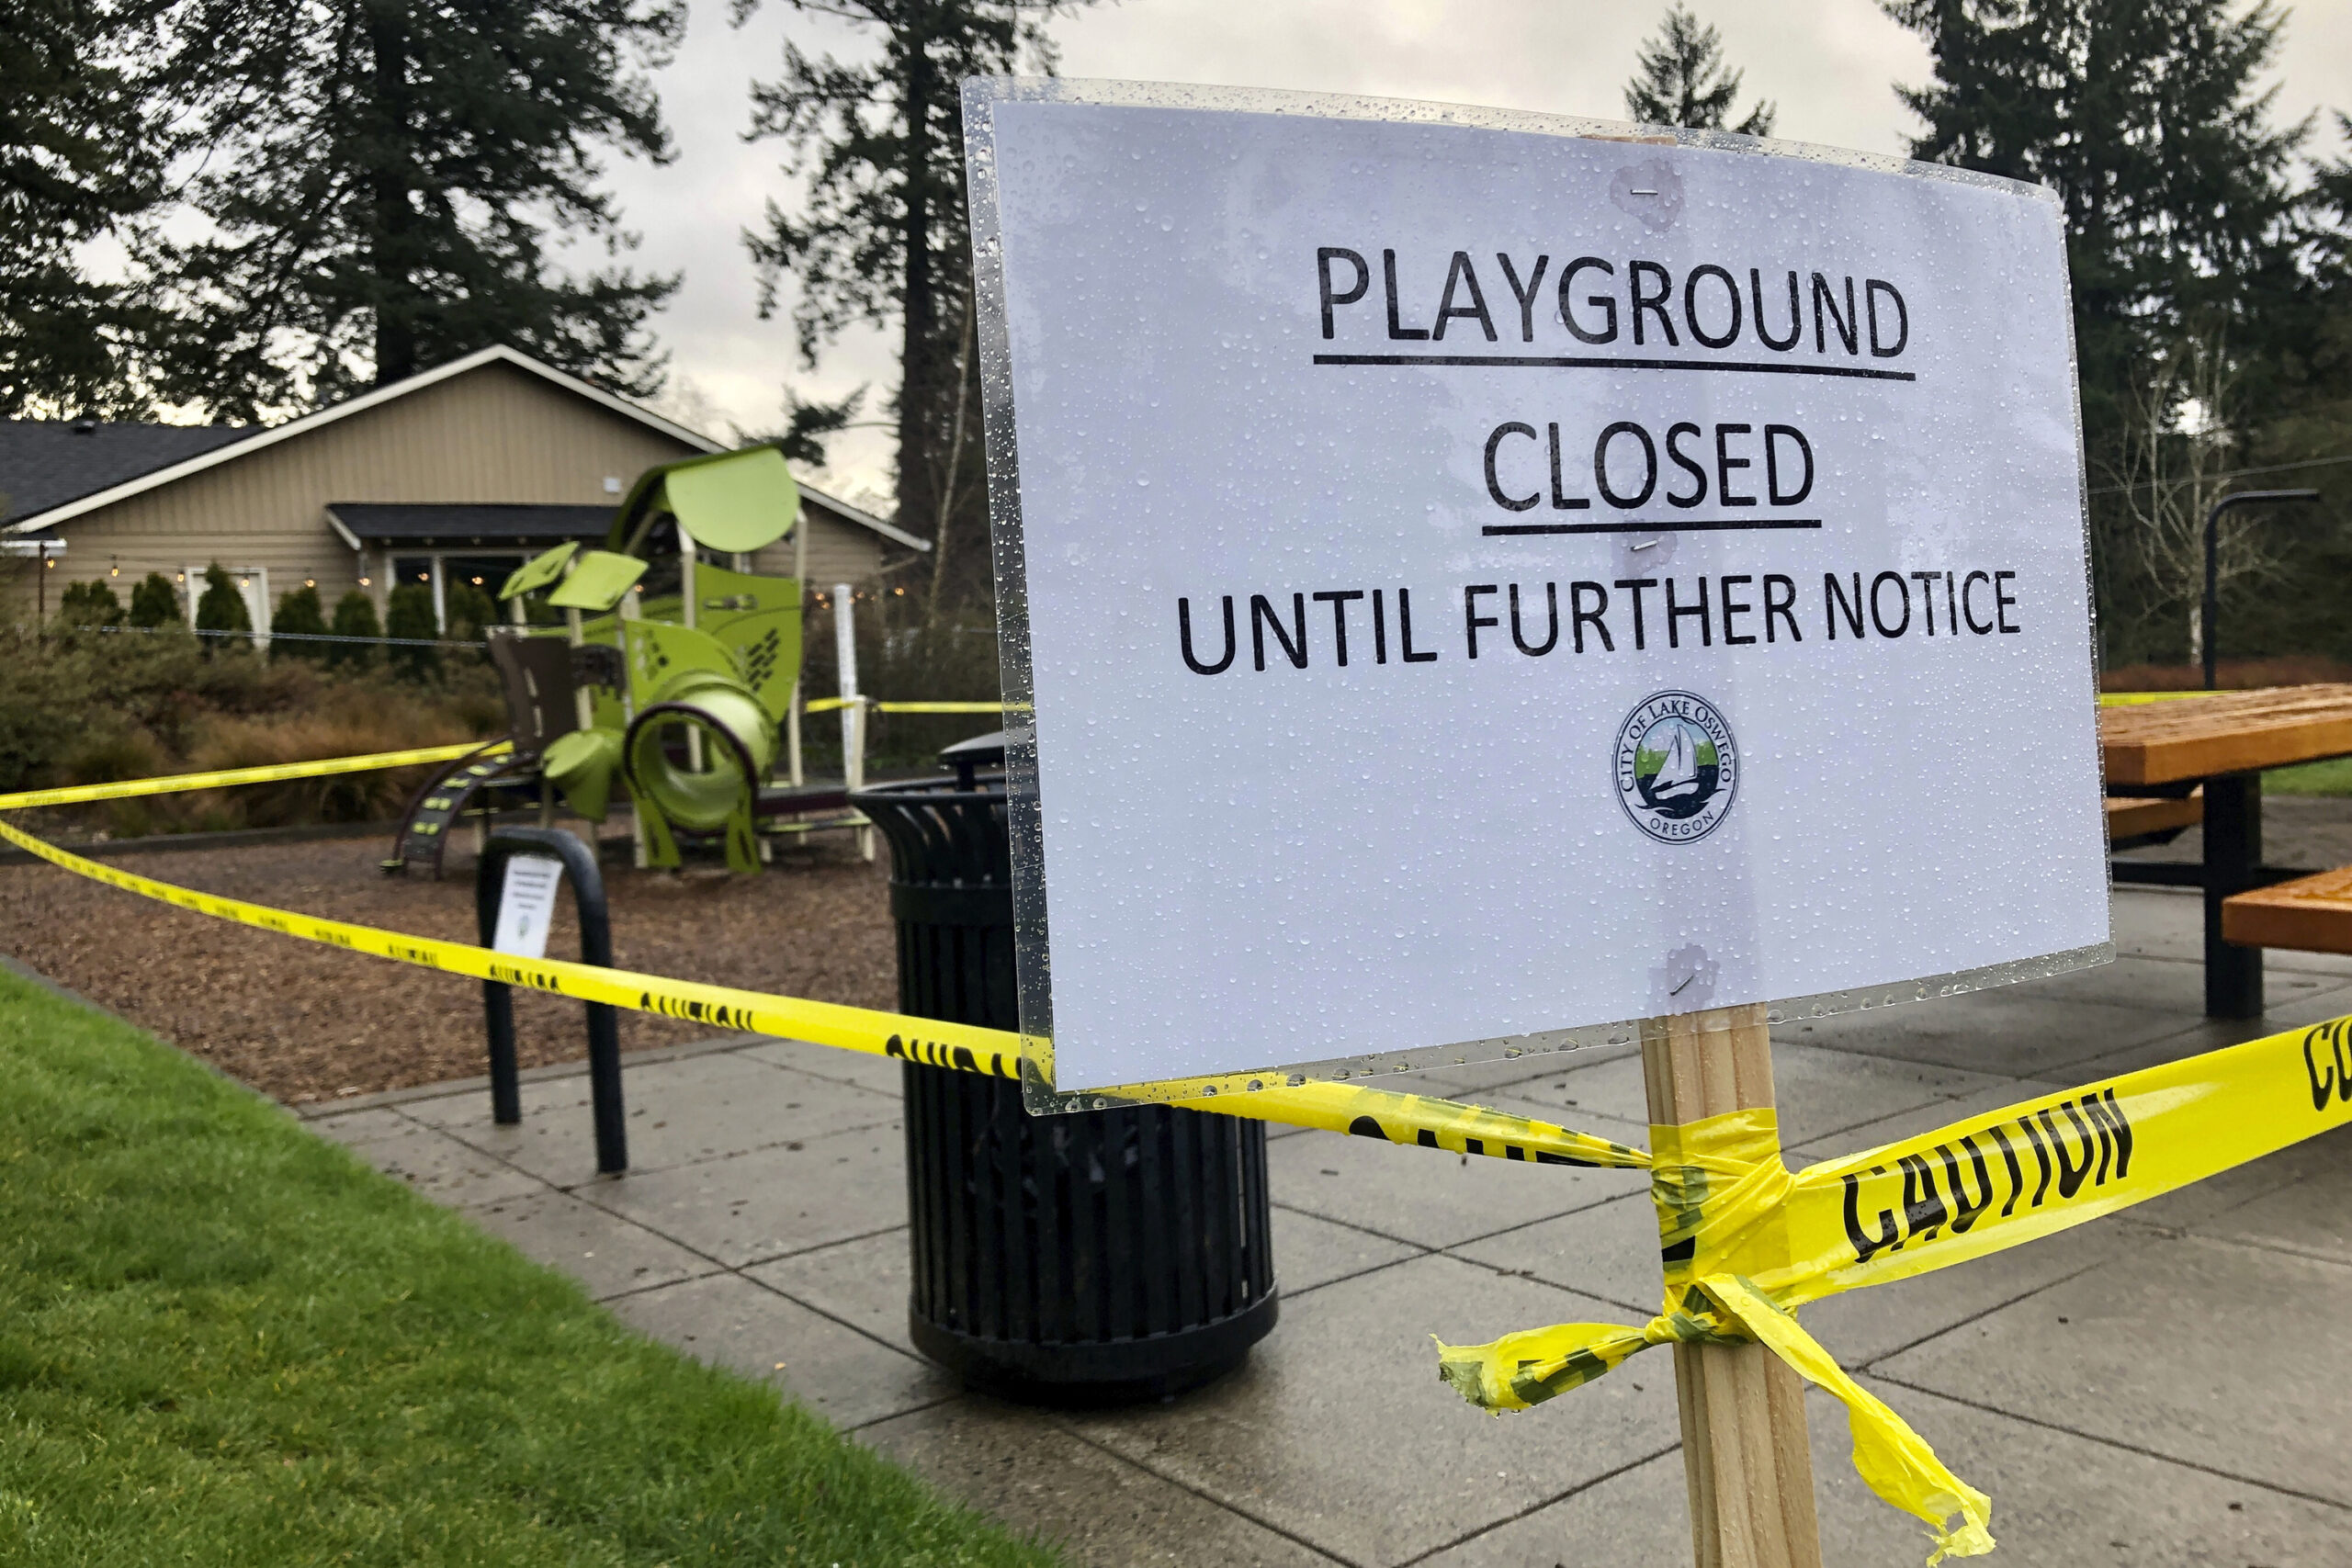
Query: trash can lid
[979,750]
[968,757]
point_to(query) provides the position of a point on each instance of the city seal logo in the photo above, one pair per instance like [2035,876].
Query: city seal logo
[1677,767]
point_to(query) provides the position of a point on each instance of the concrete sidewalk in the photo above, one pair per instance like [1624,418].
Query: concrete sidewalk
[2174,1385]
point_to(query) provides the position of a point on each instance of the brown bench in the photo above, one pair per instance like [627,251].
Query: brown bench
[2313,914]
[2151,819]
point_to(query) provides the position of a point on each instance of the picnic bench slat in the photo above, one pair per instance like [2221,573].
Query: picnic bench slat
[2313,914]
[2229,732]
[2129,819]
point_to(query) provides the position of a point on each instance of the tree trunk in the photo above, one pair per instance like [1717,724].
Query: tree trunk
[388,257]
[944,534]
[917,501]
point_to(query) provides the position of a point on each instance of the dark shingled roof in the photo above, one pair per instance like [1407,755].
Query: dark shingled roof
[460,524]
[46,463]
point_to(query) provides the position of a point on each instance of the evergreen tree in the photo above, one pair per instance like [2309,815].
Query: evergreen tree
[408,619]
[2142,115]
[884,236]
[2305,424]
[1683,80]
[2187,240]
[222,608]
[354,617]
[298,612]
[155,602]
[381,176]
[81,150]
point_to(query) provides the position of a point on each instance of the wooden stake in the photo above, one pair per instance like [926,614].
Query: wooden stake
[1745,1452]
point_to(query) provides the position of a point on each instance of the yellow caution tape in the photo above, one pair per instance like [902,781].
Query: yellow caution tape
[1422,1121]
[173,784]
[826,704]
[1744,1243]
[940,707]
[1405,1118]
[825,1023]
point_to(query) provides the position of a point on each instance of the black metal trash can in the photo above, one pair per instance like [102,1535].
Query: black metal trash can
[1093,1257]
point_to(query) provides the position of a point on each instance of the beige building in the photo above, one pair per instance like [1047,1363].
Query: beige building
[459,473]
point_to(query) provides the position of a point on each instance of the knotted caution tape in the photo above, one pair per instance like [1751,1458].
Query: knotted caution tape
[1744,1243]
[1723,1197]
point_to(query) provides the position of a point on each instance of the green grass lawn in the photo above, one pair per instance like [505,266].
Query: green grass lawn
[2332,777]
[224,1341]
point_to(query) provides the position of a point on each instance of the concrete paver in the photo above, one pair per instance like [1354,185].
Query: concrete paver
[2015,1031]
[434,1162]
[2162,923]
[1338,1433]
[2311,1213]
[2288,1010]
[2057,1498]
[773,1200]
[1311,1251]
[606,1254]
[2190,1410]
[1028,1471]
[840,1373]
[1476,1078]
[2228,1203]
[2212,1353]
[700,1108]
[1427,1198]
[883,1075]
[862,1283]
[1608,1251]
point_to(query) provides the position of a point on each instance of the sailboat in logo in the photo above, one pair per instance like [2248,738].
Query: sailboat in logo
[1677,770]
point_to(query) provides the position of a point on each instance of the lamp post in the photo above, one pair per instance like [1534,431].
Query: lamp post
[2211,613]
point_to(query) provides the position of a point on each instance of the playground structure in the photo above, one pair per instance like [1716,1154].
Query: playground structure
[670,674]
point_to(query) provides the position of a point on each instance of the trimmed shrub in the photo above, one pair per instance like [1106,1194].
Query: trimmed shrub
[298,612]
[222,608]
[154,602]
[354,617]
[472,612]
[407,613]
[89,604]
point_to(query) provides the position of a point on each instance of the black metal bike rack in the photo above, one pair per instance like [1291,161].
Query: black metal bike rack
[579,864]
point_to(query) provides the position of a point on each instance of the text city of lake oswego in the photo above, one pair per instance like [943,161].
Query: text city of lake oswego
[1759,471]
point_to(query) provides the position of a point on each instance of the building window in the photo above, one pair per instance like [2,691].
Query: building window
[483,572]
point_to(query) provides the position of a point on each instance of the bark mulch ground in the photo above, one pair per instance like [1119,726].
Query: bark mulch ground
[301,1022]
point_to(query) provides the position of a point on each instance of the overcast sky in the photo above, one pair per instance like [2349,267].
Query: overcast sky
[1829,64]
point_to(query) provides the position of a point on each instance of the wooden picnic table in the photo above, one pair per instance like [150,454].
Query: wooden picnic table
[2221,743]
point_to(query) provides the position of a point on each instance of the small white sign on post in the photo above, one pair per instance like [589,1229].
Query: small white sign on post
[527,905]
[1467,576]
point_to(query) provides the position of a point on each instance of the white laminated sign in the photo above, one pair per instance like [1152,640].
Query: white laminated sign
[527,905]
[1469,579]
